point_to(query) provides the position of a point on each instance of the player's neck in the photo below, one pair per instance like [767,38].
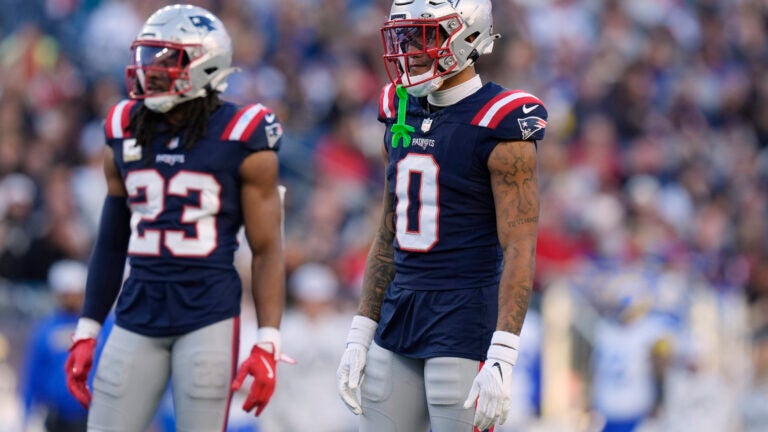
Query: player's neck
[457,92]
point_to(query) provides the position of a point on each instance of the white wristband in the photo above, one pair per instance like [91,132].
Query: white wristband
[504,347]
[86,329]
[362,330]
[267,335]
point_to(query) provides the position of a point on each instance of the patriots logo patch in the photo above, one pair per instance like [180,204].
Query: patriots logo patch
[202,22]
[274,132]
[531,125]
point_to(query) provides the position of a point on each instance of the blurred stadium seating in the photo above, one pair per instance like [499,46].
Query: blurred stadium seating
[655,165]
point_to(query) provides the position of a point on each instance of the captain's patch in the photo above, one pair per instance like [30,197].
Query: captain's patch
[131,151]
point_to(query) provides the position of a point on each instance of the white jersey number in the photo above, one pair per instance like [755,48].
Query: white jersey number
[203,216]
[424,237]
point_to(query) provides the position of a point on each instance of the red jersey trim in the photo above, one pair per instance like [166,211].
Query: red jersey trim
[494,111]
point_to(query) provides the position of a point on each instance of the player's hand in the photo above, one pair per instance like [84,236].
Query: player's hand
[492,388]
[349,375]
[262,366]
[78,367]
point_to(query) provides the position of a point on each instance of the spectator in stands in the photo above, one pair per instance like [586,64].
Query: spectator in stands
[44,386]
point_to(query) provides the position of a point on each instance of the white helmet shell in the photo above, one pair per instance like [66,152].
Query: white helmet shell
[467,29]
[205,58]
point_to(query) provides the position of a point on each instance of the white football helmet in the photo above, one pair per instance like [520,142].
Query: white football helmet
[181,53]
[427,41]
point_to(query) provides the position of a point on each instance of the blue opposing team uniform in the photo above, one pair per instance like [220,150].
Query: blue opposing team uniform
[443,301]
[185,216]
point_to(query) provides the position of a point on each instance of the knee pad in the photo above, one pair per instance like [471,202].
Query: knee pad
[445,380]
[114,372]
[211,372]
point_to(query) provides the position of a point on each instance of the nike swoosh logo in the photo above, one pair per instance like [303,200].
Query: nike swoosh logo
[270,117]
[527,109]
[498,366]
[270,372]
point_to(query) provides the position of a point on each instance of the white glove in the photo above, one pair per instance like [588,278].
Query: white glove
[352,366]
[492,386]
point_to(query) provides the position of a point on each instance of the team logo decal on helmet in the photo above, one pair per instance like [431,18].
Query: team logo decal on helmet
[202,22]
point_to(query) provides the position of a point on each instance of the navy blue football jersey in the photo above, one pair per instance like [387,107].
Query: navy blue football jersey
[445,219]
[185,216]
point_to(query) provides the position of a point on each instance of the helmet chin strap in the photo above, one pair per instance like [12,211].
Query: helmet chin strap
[161,104]
[425,88]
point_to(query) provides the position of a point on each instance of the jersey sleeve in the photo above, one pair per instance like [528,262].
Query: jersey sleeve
[388,104]
[117,120]
[513,115]
[256,127]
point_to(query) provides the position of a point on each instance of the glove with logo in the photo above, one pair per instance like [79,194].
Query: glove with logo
[262,366]
[352,366]
[492,387]
[78,367]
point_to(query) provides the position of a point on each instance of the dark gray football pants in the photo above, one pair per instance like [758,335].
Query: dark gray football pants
[134,370]
[401,394]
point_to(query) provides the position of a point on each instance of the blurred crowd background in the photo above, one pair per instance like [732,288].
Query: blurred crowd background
[651,304]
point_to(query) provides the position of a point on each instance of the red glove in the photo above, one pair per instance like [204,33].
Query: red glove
[263,367]
[78,366]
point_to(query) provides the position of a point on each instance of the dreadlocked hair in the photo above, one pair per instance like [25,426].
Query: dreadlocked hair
[196,114]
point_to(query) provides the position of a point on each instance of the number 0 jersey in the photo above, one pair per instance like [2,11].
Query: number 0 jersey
[185,216]
[448,261]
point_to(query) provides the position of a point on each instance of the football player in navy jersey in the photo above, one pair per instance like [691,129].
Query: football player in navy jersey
[449,274]
[185,170]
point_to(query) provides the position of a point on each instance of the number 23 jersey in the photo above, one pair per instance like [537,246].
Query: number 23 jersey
[185,216]
[446,244]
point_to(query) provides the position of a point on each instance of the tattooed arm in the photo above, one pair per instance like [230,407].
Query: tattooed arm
[380,266]
[516,196]
[379,272]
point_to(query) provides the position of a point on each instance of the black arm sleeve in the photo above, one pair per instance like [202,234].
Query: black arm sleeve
[105,269]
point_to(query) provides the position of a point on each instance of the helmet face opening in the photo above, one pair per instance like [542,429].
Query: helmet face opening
[159,68]
[418,50]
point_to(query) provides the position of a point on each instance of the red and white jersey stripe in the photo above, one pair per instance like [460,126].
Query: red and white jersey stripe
[387,107]
[497,108]
[117,120]
[244,122]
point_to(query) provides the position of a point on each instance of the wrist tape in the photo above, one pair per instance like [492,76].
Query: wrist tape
[269,339]
[504,347]
[86,329]
[362,331]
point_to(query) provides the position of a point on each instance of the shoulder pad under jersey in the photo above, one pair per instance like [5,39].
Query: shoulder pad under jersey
[256,126]
[513,115]
[118,117]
